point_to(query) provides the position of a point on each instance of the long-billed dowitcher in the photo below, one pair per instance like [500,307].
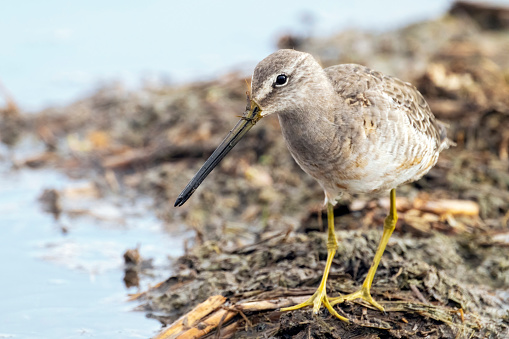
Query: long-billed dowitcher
[351,128]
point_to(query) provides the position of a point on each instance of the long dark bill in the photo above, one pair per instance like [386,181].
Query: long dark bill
[249,119]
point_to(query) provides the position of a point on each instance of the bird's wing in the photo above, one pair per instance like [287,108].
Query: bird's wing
[359,83]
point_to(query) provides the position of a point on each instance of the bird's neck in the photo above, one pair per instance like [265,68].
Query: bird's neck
[309,130]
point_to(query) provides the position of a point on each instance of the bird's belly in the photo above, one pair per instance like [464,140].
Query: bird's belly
[367,174]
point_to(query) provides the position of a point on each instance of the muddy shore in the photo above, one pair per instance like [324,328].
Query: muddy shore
[258,220]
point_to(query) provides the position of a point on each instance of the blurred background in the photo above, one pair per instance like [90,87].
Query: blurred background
[107,109]
[54,52]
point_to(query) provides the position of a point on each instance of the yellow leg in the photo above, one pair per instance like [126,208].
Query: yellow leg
[320,296]
[364,292]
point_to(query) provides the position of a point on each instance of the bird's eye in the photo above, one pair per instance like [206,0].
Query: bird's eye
[281,80]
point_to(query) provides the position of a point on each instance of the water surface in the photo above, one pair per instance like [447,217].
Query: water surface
[56,285]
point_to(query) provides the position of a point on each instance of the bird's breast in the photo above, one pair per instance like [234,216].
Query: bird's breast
[321,148]
[354,157]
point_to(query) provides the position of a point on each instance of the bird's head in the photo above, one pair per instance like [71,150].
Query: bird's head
[280,82]
[284,80]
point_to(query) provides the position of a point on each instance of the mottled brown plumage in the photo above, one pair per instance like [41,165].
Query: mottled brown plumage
[351,128]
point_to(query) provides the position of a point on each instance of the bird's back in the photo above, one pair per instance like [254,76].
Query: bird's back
[352,81]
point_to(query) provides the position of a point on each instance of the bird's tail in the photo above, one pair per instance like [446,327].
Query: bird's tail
[444,141]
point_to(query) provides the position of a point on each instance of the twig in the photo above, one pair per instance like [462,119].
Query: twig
[418,294]
[186,324]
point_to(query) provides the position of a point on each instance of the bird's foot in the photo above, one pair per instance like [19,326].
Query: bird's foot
[316,301]
[363,294]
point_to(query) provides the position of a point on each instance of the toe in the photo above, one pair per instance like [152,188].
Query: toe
[296,307]
[333,311]
[376,304]
[360,294]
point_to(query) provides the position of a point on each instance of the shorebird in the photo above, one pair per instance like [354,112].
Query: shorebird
[351,128]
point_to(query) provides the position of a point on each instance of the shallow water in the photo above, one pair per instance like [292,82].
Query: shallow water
[56,285]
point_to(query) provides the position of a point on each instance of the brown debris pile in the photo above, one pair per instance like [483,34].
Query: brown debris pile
[255,217]
[416,281]
[486,15]
[10,120]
